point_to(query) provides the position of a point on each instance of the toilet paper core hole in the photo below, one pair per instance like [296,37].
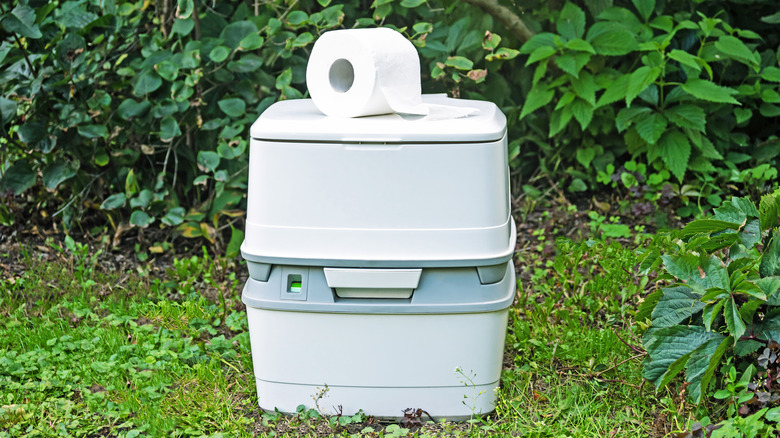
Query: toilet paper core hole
[341,75]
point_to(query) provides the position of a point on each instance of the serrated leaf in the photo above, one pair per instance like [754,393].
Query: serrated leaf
[675,151]
[708,226]
[615,91]
[611,39]
[710,91]
[640,79]
[651,126]
[580,45]
[583,112]
[571,22]
[539,40]
[771,74]
[585,87]
[733,319]
[541,53]
[687,116]
[768,212]
[702,273]
[770,260]
[686,59]
[666,345]
[626,117]
[729,212]
[674,369]
[645,7]
[770,287]
[711,312]
[585,155]
[734,48]
[677,305]
[646,307]
[538,97]
[704,358]
[750,234]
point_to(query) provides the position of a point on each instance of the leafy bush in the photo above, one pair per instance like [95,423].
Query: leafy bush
[723,306]
[679,91]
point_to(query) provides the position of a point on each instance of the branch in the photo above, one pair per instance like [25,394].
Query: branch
[509,19]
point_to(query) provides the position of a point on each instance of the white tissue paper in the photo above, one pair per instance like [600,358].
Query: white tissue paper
[364,72]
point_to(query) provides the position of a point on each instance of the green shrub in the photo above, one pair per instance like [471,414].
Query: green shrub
[724,302]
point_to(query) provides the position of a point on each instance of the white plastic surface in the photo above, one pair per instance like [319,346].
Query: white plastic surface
[300,120]
[359,351]
[456,403]
[406,202]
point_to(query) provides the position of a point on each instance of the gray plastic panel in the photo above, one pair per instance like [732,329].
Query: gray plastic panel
[441,290]
[377,263]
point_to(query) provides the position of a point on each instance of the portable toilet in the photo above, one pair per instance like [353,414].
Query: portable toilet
[379,251]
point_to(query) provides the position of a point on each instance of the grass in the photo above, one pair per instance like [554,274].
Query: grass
[94,350]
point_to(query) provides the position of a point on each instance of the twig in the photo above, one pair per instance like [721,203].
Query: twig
[633,348]
[620,363]
[509,19]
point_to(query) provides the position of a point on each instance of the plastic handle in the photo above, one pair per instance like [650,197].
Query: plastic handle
[373,278]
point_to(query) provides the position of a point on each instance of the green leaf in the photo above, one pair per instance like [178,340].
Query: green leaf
[585,155]
[733,319]
[698,272]
[711,312]
[674,369]
[686,59]
[580,45]
[704,358]
[298,18]
[708,226]
[140,219]
[114,201]
[208,160]
[234,246]
[92,131]
[302,40]
[142,200]
[770,261]
[411,4]
[7,110]
[544,39]
[130,108]
[729,212]
[246,64]
[538,97]
[710,91]
[645,7]
[252,41]
[611,39]
[18,178]
[175,216]
[572,63]
[750,233]
[146,82]
[58,172]
[21,20]
[651,127]
[734,48]
[771,74]
[167,70]
[233,107]
[675,150]
[585,87]
[616,90]
[219,54]
[459,62]
[183,27]
[768,212]
[677,305]
[666,345]
[770,287]
[571,22]
[236,31]
[687,116]
[169,128]
[541,53]
[582,111]
[640,79]
[626,117]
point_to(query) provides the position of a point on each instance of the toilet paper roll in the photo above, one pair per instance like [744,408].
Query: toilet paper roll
[363,72]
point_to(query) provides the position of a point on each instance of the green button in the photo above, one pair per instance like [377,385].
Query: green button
[295,286]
